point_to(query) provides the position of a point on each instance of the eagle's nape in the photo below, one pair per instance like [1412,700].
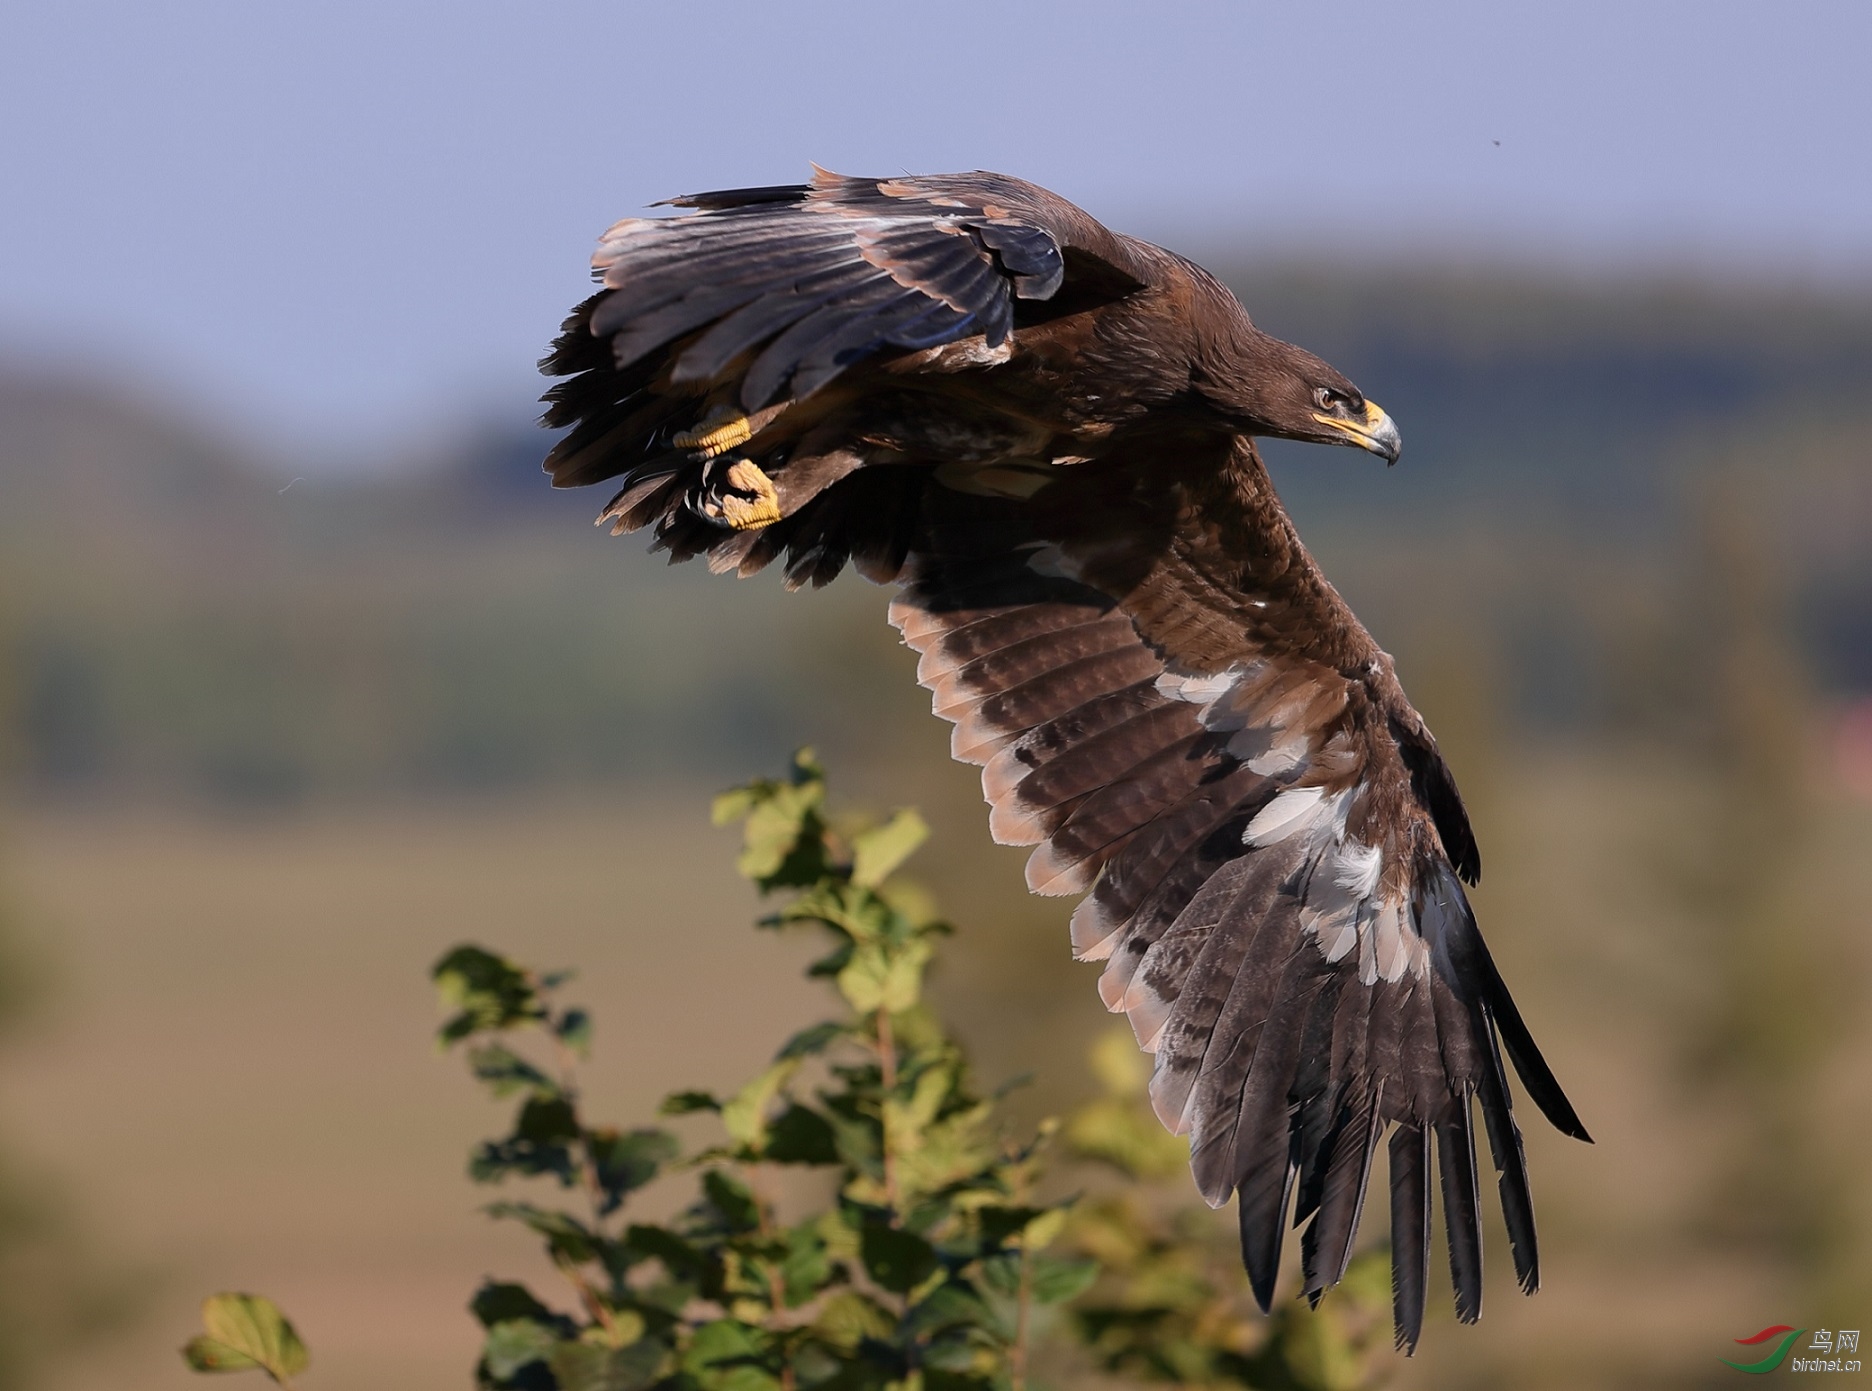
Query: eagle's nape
[1042,432]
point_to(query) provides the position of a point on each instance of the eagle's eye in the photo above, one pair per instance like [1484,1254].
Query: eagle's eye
[1328,398]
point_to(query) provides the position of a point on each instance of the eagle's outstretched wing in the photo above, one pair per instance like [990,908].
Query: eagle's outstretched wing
[966,385]
[1181,716]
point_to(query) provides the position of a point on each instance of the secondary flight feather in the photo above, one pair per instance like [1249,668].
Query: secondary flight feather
[1043,433]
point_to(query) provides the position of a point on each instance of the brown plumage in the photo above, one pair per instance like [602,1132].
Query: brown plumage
[1043,433]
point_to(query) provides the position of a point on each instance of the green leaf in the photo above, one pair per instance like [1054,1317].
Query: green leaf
[734,804]
[1002,1273]
[543,1135]
[722,1340]
[745,1377]
[783,835]
[801,1136]
[1000,1225]
[574,1029]
[807,1265]
[728,1355]
[205,1354]
[898,1260]
[546,1119]
[506,1072]
[810,1042]
[626,1162]
[565,1235]
[1040,1232]
[730,1198]
[885,977]
[1054,1280]
[488,991]
[683,1103]
[781,838]
[744,1115]
[846,1320]
[945,1368]
[856,912]
[859,1142]
[500,1302]
[877,853]
[246,1330]
[517,1343]
[678,1256]
[951,1305]
[591,1367]
[833,961]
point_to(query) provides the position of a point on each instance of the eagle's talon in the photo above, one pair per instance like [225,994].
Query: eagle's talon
[762,505]
[742,497]
[716,433]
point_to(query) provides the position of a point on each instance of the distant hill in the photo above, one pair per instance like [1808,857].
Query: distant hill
[179,625]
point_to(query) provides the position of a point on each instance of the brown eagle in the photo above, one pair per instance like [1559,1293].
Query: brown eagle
[1043,433]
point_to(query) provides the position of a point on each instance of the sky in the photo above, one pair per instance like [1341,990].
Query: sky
[346,225]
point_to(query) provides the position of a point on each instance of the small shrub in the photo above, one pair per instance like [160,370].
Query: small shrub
[943,1257]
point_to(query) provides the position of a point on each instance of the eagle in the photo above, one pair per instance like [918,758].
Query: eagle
[1043,433]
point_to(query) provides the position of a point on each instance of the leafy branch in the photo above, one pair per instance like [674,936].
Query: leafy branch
[937,1263]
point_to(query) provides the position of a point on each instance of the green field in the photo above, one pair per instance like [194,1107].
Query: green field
[239,1090]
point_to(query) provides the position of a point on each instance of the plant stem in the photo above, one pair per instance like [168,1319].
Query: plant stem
[595,1306]
[776,1282]
[887,1073]
[1023,1304]
[588,1166]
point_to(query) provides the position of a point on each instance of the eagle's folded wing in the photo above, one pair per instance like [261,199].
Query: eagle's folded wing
[779,290]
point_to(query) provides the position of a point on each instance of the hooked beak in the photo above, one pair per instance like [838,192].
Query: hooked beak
[1375,432]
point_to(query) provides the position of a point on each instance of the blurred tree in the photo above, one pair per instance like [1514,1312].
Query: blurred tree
[1778,964]
[52,1294]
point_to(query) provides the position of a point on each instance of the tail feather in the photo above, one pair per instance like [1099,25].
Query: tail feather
[1326,1245]
[1462,1210]
[1504,1137]
[1410,1231]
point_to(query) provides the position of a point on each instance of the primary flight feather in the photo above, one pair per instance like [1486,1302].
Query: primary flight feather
[1043,433]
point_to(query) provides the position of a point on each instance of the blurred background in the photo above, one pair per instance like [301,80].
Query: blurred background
[307,675]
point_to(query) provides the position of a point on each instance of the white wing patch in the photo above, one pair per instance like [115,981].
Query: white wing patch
[1345,908]
[1270,711]
[1297,811]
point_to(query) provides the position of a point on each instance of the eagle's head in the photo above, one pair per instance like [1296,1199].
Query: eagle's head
[1275,388]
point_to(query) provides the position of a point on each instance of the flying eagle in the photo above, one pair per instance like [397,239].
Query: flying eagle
[1043,433]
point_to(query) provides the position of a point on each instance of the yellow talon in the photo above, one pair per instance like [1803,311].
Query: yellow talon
[720,430]
[745,514]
